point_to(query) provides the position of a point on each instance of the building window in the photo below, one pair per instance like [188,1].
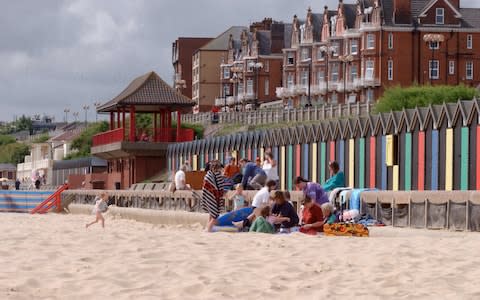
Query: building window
[250,64]
[434,45]
[266,85]
[469,70]
[320,77]
[240,89]
[334,98]
[305,54]
[304,78]
[336,49]
[469,41]
[390,40]
[320,54]
[354,47]
[353,73]
[369,69]
[250,87]
[267,66]
[440,16]
[290,80]
[290,58]
[370,41]
[226,90]
[334,72]
[434,69]
[226,72]
[451,67]
[370,95]
[390,69]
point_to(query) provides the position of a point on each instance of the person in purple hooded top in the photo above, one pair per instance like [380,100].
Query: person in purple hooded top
[312,190]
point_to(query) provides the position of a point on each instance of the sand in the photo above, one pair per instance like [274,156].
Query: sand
[54,257]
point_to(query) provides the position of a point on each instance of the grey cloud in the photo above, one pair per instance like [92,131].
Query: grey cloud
[61,53]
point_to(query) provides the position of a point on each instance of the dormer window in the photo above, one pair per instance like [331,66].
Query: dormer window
[440,16]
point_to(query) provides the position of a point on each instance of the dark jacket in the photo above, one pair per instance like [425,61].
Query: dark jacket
[286,210]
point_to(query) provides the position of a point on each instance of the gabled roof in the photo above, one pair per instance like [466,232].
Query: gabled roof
[221,41]
[147,90]
[423,12]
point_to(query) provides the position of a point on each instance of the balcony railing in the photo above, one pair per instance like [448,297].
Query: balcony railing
[109,137]
[366,82]
[169,135]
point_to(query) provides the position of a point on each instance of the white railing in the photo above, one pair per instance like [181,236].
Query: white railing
[366,82]
[275,115]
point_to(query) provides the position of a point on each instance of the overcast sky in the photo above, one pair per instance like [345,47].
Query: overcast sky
[57,54]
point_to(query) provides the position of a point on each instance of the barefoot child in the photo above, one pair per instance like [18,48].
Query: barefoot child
[101,206]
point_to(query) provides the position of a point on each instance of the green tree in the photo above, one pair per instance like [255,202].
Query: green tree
[83,142]
[398,98]
[6,139]
[13,153]
[23,123]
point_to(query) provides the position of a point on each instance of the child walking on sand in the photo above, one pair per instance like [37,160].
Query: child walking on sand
[101,206]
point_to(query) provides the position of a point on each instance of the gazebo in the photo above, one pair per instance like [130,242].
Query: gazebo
[136,154]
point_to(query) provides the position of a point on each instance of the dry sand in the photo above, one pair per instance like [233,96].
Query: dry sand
[53,256]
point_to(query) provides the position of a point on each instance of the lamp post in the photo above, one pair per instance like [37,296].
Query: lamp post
[345,60]
[429,39]
[257,66]
[86,108]
[75,116]
[309,99]
[97,105]
[66,111]
[326,50]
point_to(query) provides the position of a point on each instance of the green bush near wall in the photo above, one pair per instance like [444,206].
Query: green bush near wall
[398,98]
[82,144]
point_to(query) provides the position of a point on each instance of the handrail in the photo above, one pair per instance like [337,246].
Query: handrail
[53,200]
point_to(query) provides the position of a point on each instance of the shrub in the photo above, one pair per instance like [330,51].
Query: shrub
[397,98]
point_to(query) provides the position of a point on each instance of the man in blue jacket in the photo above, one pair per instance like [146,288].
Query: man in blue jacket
[253,176]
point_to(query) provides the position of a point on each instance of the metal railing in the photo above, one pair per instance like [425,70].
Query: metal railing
[267,116]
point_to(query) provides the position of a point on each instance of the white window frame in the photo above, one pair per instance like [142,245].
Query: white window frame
[434,66]
[320,54]
[226,90]
[434,45]
[266,87]
[320,77]
[370,41]
[469,70]
[469,41]
[353,73]
[304,78]
[390,69]
[335,73]
[290,80]
[249,86]
[390,40]
[290,55]
[370,95]
[226,72]
[369,69]
[440,13]
[451,67]
[334,98]
[353,47]
[336,49]
[304,54]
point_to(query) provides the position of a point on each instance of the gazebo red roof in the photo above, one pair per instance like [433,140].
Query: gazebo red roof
[148,93]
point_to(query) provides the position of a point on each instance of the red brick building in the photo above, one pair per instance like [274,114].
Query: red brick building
[353,53]
[252,69]
[182,51]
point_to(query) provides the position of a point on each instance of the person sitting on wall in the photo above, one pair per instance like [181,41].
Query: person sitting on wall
[232,171]
[337,178]
[180,183]
[254,177]
[311,189]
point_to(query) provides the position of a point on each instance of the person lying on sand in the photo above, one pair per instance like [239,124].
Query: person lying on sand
[101,206]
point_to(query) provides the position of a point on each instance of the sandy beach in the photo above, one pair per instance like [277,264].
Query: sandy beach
[54,257]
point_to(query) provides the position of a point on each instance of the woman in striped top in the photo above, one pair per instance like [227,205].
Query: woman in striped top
[212,196]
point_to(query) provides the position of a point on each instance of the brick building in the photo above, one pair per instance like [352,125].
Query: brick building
[206,82]
[252,68]
[182,51]
[353,53]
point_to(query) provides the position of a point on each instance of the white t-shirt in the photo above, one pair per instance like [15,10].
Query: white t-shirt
[272,172]
[262,197]
[180,180]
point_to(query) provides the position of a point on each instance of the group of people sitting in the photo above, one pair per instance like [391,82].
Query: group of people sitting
[271,210]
